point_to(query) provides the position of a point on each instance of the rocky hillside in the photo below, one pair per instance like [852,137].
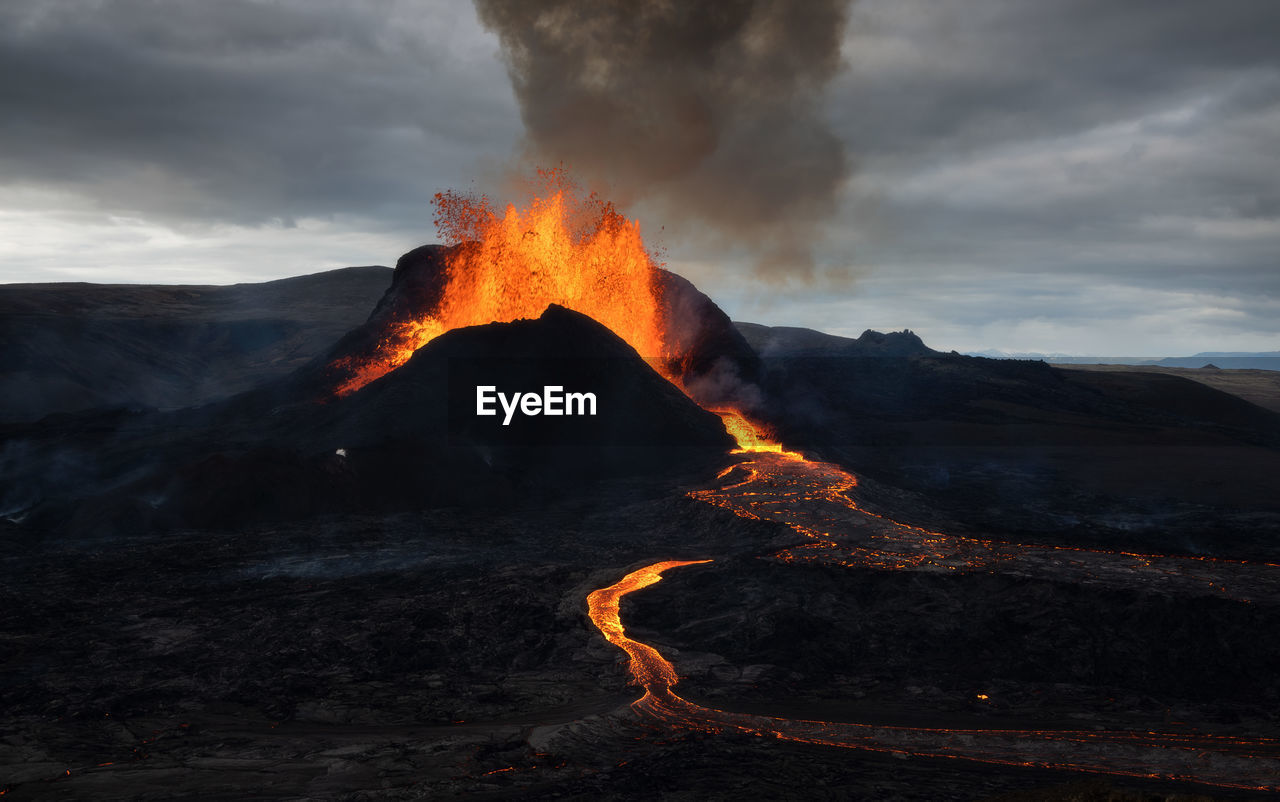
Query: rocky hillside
[69,347]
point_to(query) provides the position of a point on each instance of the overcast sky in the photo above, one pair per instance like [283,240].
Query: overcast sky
[1077,176]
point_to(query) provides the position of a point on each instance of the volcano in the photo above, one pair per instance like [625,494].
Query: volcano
[893,571]
[406,441]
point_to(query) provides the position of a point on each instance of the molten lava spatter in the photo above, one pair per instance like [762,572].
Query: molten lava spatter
[580,253]
[1246,763]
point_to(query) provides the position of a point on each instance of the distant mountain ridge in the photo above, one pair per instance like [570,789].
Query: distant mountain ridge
[68,347]
[770,341]
[1225,360]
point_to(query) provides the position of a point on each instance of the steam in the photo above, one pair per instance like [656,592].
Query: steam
[707,111]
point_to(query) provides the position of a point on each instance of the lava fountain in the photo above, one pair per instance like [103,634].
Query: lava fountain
[562,248]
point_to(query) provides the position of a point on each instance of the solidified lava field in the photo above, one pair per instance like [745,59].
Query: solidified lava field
[917,576]
[527,514]
[449,653]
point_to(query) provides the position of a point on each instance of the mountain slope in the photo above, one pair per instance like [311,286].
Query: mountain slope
[409,440]
[70,347]
[770,341]
[1026,451]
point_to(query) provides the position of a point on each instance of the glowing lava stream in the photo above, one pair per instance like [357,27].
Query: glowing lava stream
[581,253]
[649,668]
[812,499]
[1245,763]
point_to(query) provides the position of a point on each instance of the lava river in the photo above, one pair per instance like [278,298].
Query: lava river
[812,498]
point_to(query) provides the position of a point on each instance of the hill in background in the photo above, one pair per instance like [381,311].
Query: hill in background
[1231,360]
[74,346]
[1007,448]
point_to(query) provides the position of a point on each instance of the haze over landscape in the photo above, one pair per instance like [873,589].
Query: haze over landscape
[1096,180]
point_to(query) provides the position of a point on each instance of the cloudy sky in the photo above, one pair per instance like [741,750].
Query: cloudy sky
[1077,176]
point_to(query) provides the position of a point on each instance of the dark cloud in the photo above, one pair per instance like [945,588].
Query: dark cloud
[937,76]
[245,111]
[1058,175]
[1066,144]
[710,112]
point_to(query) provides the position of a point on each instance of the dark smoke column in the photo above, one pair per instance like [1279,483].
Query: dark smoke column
[710,110]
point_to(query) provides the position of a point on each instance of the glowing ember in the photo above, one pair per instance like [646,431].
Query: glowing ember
[562,249]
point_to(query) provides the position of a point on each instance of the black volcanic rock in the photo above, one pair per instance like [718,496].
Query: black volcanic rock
[636,405]
[71,347]
[417,285]
[792,341]
[718,366]
[427,406]
[1027,451]
[417,282]
[409,440]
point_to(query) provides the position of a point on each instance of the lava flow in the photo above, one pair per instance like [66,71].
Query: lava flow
[582,254]
[813,499]
[749,437]
[1245,763]
[648,667]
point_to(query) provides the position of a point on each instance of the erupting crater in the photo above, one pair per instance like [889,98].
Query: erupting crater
[562,248]
[581,253]
[578,252]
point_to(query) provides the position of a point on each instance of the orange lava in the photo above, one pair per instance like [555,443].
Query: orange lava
[751,437]
[813,499]
[1232,762]
[648,668]
[562,248]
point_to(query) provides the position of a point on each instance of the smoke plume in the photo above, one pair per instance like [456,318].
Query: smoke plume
[707,111]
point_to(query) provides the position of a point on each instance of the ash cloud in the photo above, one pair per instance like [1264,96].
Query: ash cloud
[708,112]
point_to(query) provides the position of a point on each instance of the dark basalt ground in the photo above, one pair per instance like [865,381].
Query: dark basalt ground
[1261,387]
[1023,450]
[903,644]
[212,603]
[432,655]
[409,440]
